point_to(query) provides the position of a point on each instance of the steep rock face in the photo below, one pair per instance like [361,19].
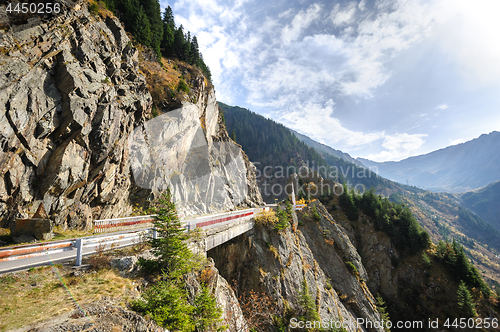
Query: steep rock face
[71,93]
[277,263]
[186,150]
[232,316]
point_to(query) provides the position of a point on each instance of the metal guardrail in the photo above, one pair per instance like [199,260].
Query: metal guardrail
[118,224]
[109,241]
[32,250]
[48,248]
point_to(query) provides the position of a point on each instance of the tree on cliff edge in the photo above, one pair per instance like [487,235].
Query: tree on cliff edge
[173,256]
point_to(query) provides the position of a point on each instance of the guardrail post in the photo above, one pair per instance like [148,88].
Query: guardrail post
[154,233]
[79,249]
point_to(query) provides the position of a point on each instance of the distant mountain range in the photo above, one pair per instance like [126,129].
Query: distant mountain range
[271,145]
[456,169]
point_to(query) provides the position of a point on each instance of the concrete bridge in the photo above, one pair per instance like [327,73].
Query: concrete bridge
[117,233]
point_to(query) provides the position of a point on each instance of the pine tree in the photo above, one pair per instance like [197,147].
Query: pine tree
[167,40]
[464,300]
[168,31]
[179,43]
[153,12]
[166,303]
[141,28]
[174,257]
[187,48]
[309,310]
[168,17]
[233,135]
[207,315]
[382,310]
[195,51]
[348,205]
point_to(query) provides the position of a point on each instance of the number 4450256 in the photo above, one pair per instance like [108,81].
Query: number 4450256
[33,8]
[472,323]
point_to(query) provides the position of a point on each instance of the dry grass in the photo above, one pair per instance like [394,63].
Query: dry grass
[162,82]
[266,218]
[60,234]
[40,294]
[101,9]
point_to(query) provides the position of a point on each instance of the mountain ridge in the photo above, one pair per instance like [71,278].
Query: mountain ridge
[326,148]
[457,168]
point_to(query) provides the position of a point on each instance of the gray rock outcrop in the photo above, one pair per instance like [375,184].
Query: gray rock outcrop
[276,263]
[71,93]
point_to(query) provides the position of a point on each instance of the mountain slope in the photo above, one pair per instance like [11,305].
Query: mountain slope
[326,149]
[271,147]
[455,169]
[440,214]
[484,202]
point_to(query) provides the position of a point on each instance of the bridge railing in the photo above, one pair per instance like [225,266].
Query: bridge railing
[49,248]
[217,220]
[33,250]
[118,224]
[109,242]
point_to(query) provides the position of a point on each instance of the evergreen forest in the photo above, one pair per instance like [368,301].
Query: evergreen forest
[158,31]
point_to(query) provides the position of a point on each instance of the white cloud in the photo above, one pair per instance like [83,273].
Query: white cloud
[457,141]
[343,17]
[399,146]
[362,5]
[471,38]
[300,22]
[318,122]
[291,61]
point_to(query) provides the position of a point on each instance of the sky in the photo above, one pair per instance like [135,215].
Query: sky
[382,80]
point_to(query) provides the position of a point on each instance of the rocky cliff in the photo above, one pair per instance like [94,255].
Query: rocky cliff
[71,95]
[317,251]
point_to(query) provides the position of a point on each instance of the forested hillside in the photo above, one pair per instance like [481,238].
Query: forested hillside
[485,202]
[271,147]
[326,149]
[270,144]
[144,20]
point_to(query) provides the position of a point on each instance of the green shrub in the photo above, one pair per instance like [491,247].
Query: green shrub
[464,301]
[382,310]
[307,303]
[93,8]
[207,315]
[352,268]
[182,86]
[154,112]
[282,219]
[328,285]
[166,303]
[315,213]
[426,260]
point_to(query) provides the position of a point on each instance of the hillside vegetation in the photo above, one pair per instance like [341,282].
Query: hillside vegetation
[484,202]
[144,20]
[417,278]
[441,215]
